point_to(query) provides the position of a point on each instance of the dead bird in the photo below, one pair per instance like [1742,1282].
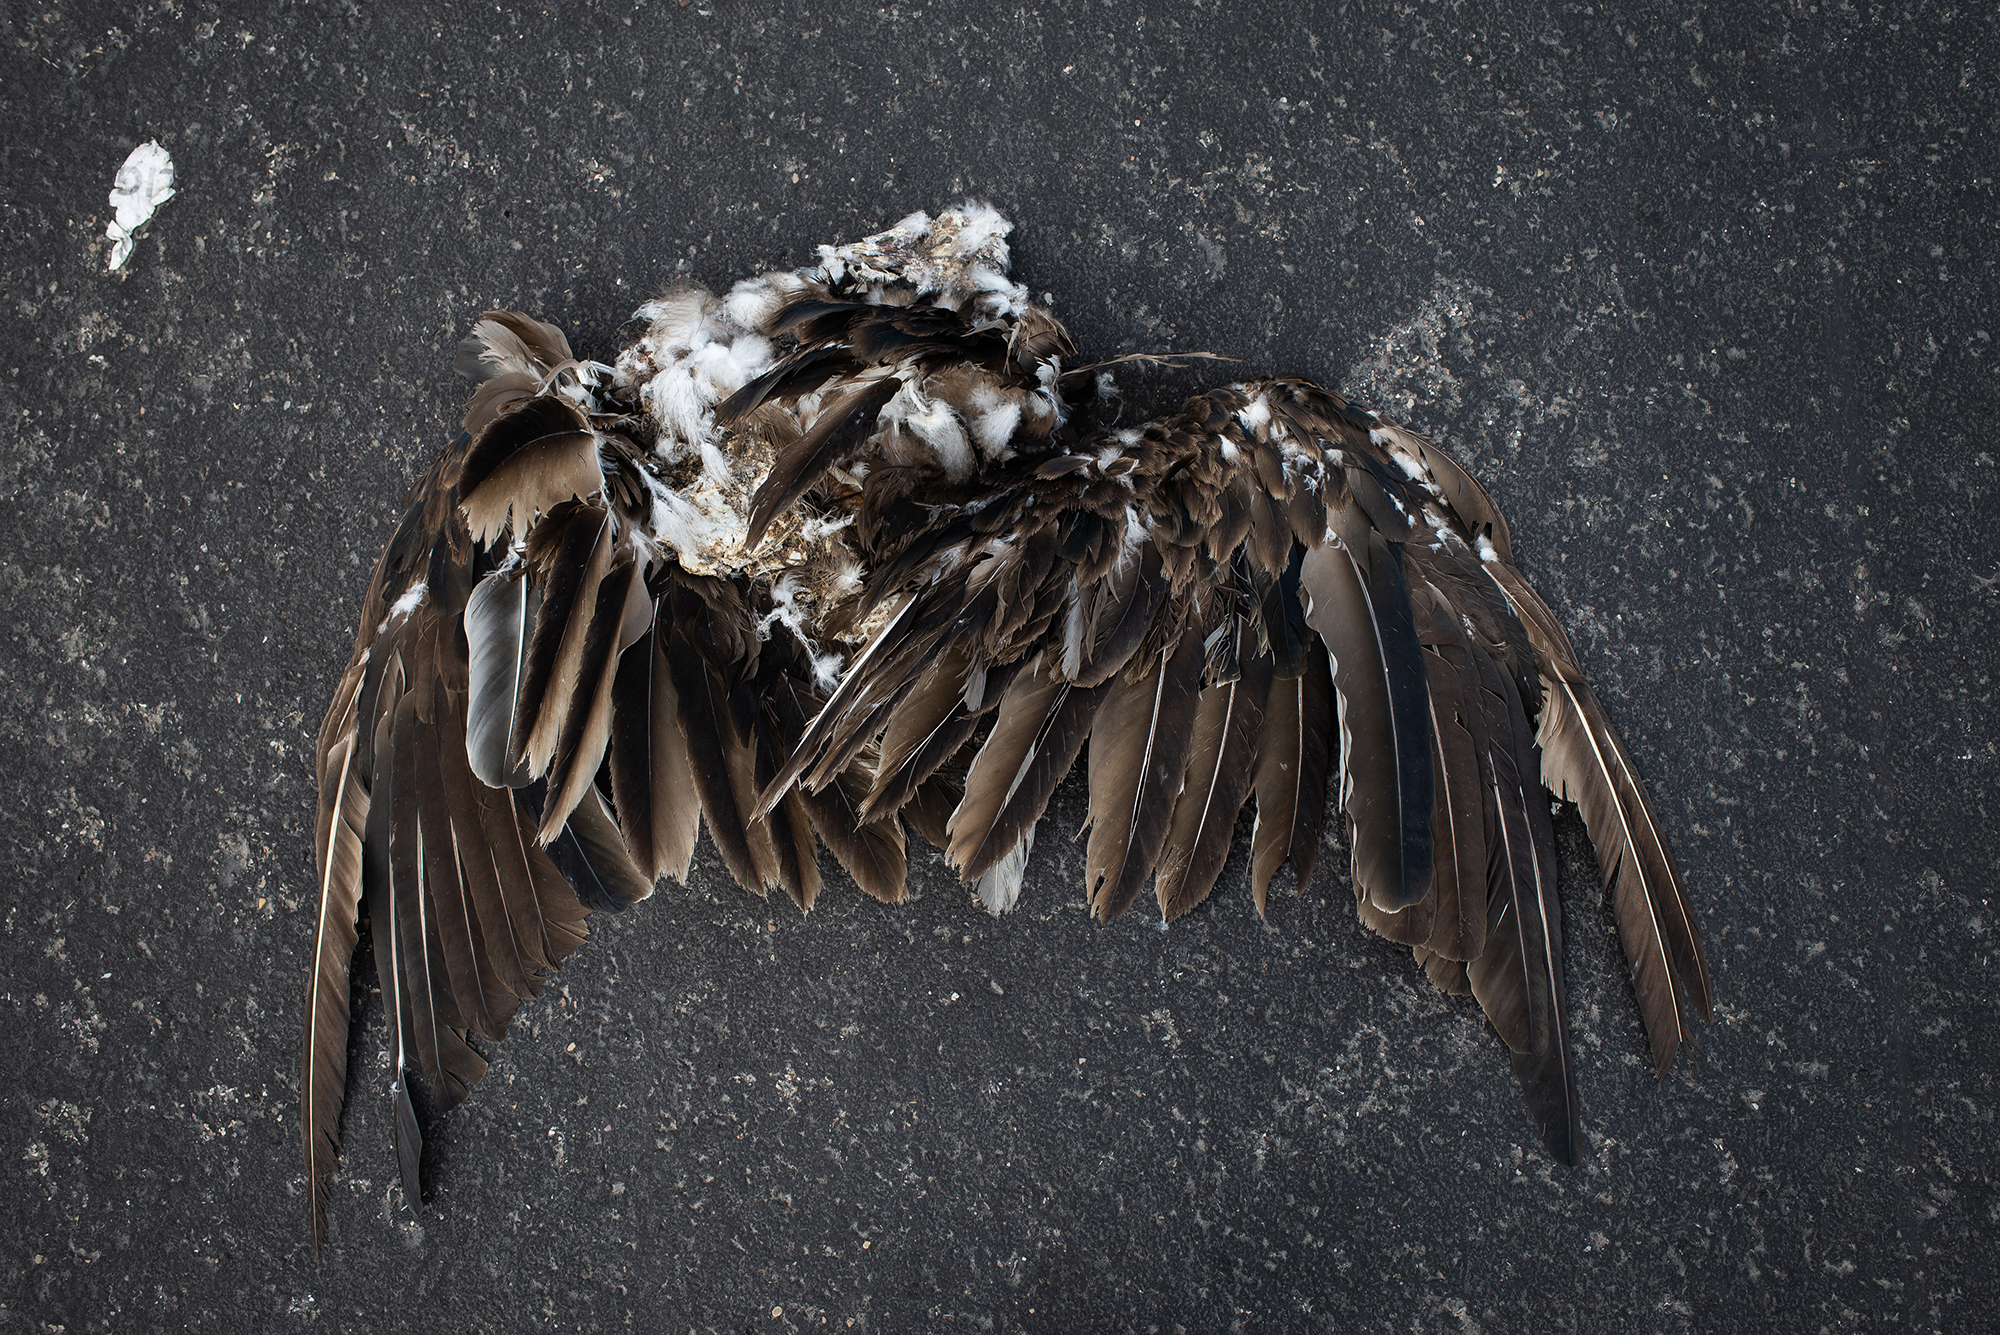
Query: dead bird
[857,549]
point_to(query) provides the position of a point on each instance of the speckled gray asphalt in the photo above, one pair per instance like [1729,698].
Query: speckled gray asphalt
[1705,294]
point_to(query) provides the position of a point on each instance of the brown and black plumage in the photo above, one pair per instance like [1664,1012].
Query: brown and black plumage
[849,550]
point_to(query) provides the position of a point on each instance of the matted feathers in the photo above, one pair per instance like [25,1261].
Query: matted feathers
[971,584]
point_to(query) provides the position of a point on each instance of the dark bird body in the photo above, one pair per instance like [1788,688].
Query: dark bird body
[849,552]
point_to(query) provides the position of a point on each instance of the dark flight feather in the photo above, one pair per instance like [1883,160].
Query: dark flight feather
[786,849]
[1115,626]
[504,968]
[1518,978]
[871,852]
[926,730]
[498,617]
[1138,759]
[652,779]
[378,893]
[593,858]
[1386,779]
[542,931]
[857,686]
[842,425]
[1294,753]
[701,697]
[587,728]
[1041,724]
[931,726]
[1458,824]
[1584,762]
[343,814]
[573,551]
[1228,718]
[461,944]
[1451,920]
[405,908]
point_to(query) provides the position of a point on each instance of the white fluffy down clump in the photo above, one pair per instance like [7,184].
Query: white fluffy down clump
[698,350]
[958,259]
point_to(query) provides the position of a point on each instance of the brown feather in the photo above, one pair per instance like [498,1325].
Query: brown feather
[502,965]
[1505,978]
[1457,821]
[1276,784]
[1451,919]
[1391,840]
[587,729]
[573,552]
[510,357]
[343,814]
[1121,611]
[526,463]
[1294,750]
[931,726]
[1448,974]
[1040,726]
[786,830]
[652,777]
[1138,758]
[378,892]
[405,911]
[1583,761]
[1461,491]
[929,809]
[455,927]
[1220,771]
[1519,977]
[872,852]
[842,425]
[881,669]
[563,917]
[701,701]
[603,848]
[508,341]
[515,872]
[500,394]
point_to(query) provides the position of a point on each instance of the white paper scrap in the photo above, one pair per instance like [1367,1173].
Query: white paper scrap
[145,182]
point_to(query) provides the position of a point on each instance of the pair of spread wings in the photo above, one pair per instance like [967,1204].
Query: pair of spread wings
[948,581]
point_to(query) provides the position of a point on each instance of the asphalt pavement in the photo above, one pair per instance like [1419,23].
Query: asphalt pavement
[1705,294]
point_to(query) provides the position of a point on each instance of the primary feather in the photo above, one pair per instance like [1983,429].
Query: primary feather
[852,546]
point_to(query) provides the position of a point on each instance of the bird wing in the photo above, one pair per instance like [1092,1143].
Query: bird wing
[542,706]
[1206,602]
[467,908]
[850,546]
